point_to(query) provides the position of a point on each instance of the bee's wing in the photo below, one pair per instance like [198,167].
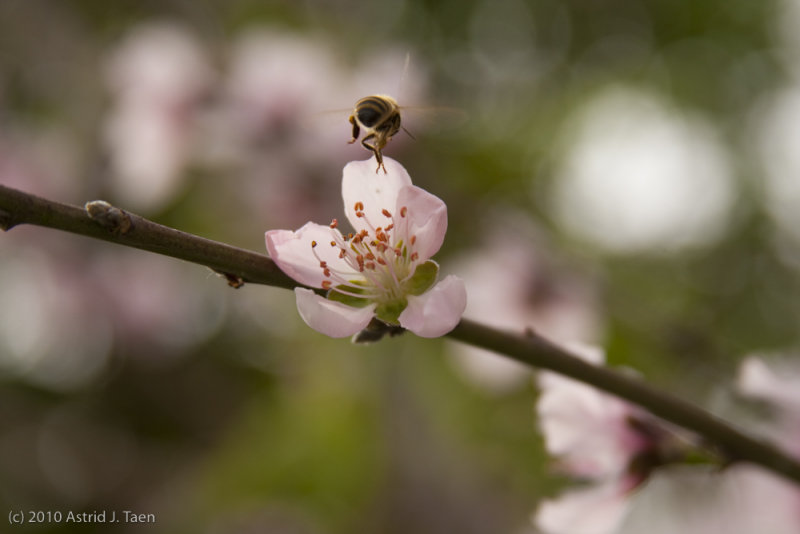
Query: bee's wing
[328,119]
[341,114]
[422,119]
[328,112]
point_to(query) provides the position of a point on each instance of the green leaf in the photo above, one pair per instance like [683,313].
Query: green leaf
[423,278]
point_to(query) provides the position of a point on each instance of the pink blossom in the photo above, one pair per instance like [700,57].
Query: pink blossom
[381,270]
[273,95]
[777,384]
[590,431]
[158,77]
[589,434]
[597,509]
[741,499]
[599,438]
[536,291]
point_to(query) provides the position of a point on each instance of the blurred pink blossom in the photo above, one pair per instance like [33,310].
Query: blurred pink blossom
[42,162]
[740,499]
[287,96]
[158,77]
[777,384]
[56,334]
[160,308]
[533,292]
[743,498]
[596,509]
[384,269]
[278,80]
[598,438]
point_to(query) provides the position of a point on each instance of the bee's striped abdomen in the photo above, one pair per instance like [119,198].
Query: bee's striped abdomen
[372,110]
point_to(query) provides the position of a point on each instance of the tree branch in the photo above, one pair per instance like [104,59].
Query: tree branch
[100,220]
[536,351]
[103,221]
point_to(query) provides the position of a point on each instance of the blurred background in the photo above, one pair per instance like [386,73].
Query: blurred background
[627,175]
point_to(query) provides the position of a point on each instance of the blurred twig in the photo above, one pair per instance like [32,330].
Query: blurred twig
[103,221]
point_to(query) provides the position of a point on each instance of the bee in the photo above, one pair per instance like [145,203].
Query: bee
[379,118]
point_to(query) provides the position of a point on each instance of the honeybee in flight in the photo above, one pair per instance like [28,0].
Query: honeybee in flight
[379,118]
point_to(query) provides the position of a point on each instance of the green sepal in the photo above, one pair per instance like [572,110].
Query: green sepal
[423,278]
[349,300]
[389,312]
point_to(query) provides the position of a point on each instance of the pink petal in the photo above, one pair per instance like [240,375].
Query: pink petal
[377,191]
[427,220]
[587,429]
[594,510]
[437,311]
[331,318]
[292,252]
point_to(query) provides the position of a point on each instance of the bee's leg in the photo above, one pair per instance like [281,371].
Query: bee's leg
[368,146]
[375,150]
[379,157]
[356,130]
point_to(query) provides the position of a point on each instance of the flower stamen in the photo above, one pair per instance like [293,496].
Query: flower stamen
[383,257]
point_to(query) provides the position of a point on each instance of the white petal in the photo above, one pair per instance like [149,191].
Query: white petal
[292,252]
[776,384]
[742,499]
[331,318]
[595,510]
[426,219]
[377,191]
[437,311]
